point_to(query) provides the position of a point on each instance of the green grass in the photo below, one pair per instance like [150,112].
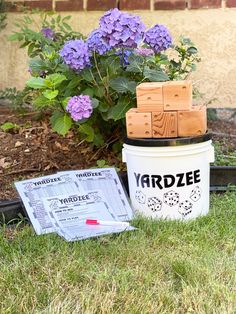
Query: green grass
[163,267]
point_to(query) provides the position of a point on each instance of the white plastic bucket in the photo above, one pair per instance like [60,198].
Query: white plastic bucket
[169,178]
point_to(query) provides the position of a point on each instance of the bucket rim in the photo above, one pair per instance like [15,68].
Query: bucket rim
[160,142]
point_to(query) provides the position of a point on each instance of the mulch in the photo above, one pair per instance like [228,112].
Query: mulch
[33,149]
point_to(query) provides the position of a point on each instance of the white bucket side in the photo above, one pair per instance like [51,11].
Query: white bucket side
[154,175]
[172,151]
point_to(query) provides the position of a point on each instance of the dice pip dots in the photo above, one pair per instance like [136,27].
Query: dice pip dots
[185,208]
[140,197]
[154,204]
[195,194]
[171,198]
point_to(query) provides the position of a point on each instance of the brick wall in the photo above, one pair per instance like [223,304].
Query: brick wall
[103,5]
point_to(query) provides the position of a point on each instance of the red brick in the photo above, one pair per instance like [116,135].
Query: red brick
[134,4]
[42,4]
[101,5]
[19,6]
[70,5]
[197,4]
[170,5]
[231,3]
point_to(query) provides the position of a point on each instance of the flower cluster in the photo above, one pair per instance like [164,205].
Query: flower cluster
[124,56]
[121,30]
[48,33]
[96,43]
[158,38]
[76,54]
[79,107]
[145,52]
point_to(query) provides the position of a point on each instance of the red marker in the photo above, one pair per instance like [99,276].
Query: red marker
[107,223]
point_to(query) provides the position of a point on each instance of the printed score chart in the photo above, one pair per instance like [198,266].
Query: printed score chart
[69,214]
[105,200]
[107,180]
[33,191]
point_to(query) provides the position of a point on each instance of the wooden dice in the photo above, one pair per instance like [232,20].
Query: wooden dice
[165,110]
[150,97]
[138,124]
[164,96]
[177,95]
[164,124]
[192,122]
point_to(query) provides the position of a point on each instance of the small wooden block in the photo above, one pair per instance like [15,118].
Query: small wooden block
[138,124]
[150,97]
[193,122]
[164,124]
[177,95]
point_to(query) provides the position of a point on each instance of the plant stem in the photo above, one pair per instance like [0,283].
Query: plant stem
[101,78]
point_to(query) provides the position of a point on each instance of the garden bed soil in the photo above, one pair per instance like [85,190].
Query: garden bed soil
[32,149]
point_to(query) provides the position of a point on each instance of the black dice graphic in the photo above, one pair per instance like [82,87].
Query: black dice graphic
[171,198]
[140,197]
[195,194]
[185,208]
[154,204]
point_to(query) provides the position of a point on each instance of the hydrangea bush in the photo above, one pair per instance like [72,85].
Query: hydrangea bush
[89,83]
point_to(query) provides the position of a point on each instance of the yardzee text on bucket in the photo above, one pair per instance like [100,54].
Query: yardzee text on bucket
[167,181]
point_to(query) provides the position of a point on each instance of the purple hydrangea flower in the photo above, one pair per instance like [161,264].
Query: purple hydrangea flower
[30,71]
[124,56]
[121,30]
[158,38]
[96,43]
[145,52]
[76,54]
[79,107]
[48,33]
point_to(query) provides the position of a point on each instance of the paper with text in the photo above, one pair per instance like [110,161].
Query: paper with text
[68,214]
[33,191]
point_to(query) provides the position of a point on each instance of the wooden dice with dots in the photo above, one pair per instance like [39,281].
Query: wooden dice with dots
[192,122]
[164,124]
[177,95]
[150,97]
[138,124]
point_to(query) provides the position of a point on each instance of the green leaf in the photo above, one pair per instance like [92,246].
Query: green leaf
[88,91]
[65,102]
[41,102]
[74,83]
[7,126]
[192,50]
[54,80]
[98,139]
[135,64]
[123,85]
[103,107]
[86,75]
[67,26]
[155,75]
[50,94]
[118,111]
[36,83]
[61,122]
[99,91]
[186,41]
[87,130]
[95,102]
[37,64]
[16,36]
[101,163]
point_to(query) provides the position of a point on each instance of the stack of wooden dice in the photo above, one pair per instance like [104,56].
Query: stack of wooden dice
[165,110]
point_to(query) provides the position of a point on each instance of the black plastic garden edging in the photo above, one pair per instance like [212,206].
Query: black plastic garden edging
[222,178]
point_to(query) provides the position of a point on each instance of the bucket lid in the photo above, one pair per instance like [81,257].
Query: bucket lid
[178,141]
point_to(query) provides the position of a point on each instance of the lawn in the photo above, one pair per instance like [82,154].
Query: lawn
[163,267]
